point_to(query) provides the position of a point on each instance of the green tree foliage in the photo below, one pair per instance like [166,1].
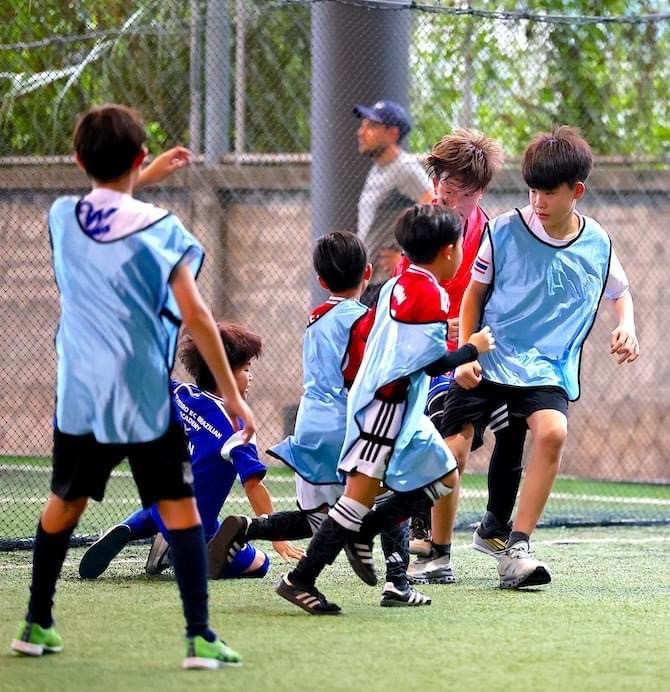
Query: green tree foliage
[58,58]
[508,78]
[512,78]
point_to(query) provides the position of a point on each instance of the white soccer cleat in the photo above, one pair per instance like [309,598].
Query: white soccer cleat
[517,569]
[431,570]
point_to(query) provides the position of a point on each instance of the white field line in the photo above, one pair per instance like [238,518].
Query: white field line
[289,479]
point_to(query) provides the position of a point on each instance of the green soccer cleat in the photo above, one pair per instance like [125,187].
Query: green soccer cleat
[33,640]
[201,654]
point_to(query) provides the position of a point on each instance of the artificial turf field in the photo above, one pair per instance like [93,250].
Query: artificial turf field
[601,625]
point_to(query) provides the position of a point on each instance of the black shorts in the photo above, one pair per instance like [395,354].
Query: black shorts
[476,406]
[161,468]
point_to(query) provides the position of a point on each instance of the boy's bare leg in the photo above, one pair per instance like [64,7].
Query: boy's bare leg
[516,566]
[549,429]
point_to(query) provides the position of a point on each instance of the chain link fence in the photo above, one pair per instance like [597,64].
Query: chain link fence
[233,81]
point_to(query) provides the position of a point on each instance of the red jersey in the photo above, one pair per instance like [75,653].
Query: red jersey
[360,331]
[455,287]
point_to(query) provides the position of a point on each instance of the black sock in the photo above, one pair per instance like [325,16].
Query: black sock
[505,468]
[393,511]
[517,536]
[280,526]
[324,547]
[49,554]
[395,545]
[189,557]
[441,549]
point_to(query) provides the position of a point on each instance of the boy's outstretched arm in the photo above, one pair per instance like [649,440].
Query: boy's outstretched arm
[164,165]
[623,341]
[200,323]
[261,502]
[469,375]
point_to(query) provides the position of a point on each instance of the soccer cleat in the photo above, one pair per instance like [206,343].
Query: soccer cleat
[201,654]
[309,599]
[517,569]
[224,545]
[359,554]
[394,596]
[159,558]
[97,558]
[431,570]
[490,537]
[420,536]
[33,640]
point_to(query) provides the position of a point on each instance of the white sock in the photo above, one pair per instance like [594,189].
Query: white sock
[349,513]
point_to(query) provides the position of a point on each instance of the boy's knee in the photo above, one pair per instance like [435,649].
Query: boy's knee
[552,437]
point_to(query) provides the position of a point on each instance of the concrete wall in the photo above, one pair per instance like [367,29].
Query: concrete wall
[255,223]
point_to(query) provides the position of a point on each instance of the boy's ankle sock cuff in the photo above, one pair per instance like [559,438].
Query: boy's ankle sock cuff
[517,536]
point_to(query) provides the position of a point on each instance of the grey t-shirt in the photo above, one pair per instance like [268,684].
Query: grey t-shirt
[387,190]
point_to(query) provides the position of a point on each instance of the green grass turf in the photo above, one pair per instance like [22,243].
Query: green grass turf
[601,625]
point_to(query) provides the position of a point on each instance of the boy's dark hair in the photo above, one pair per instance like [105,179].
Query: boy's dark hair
[240,344]
[108,139]
[422,230]
[557,157]
[467,156]
[340,259]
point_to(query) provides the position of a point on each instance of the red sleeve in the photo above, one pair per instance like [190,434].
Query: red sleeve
[360,331]
[418,300]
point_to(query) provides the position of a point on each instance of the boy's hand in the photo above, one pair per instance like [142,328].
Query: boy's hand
[483,340]
[238,408]
[624,344]
[165,164]
[468,375]
[452,329]
[287,550]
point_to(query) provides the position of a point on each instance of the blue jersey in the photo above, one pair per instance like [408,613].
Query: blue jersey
[542,303]
[113,257]
[218,454]
[314,448]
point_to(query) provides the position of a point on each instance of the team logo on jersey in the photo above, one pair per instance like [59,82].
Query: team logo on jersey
[95,221]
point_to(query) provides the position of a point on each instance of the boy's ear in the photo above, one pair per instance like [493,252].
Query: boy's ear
[436,183]
[367,274]
[79,162]
[138,160]
[448,251]
[322,283]
[580,189]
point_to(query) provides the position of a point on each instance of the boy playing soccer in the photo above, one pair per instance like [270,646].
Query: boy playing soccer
[218,455]
[388,439]
[332,352]
[125,272]
[537,281]
[462,165]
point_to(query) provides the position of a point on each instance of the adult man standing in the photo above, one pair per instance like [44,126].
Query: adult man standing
[395,180]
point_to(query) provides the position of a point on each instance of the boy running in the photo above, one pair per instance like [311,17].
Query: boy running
[125,272]
[537,281]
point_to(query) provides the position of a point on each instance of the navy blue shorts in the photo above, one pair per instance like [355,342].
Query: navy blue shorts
[161,468]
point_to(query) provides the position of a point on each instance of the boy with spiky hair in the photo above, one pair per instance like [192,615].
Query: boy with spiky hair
[462,165]
[388,439]
[218,456]
[565,261]
[125,272]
